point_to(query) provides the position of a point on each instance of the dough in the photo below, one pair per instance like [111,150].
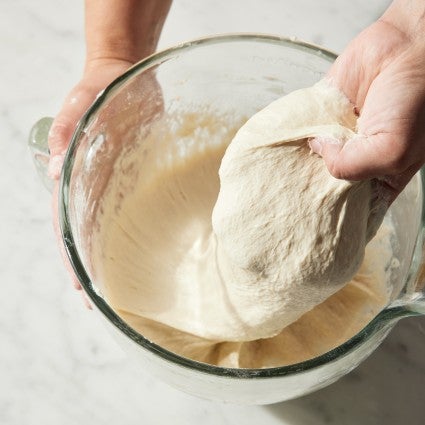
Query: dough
[289,234]
[154,253]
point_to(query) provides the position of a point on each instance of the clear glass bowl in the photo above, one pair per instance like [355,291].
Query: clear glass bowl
[238,75]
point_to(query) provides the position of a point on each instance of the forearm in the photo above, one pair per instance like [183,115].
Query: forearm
[126,30]
[408,16]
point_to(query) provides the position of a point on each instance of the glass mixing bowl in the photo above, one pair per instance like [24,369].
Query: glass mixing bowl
[238,75]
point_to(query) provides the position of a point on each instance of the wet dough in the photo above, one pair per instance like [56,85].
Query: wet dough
[154,256]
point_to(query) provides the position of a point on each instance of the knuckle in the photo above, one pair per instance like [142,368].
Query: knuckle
[86,89]
[81,89]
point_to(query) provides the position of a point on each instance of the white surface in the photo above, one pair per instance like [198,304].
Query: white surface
[57,363]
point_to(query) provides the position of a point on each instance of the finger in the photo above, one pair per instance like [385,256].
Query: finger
[386,187]
[393,185]
[86,301]
[385,190]
[62,250]
[95,79]
[74,279]
[76,103]
[363,157]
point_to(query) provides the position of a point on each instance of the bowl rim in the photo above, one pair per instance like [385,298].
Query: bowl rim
[385,319]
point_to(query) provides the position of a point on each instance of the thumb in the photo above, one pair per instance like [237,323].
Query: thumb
[361,157]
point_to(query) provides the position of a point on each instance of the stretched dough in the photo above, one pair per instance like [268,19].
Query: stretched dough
[154,255]
[289,234]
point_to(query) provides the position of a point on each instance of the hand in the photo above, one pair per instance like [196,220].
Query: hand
[118,34]
[383,74]
[97,76]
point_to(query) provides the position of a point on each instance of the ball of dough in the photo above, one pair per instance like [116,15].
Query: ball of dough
[289,234]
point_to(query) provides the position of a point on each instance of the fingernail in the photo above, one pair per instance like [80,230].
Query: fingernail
[316,146]
[55,166]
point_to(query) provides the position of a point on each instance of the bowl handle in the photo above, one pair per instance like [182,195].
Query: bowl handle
[38,144]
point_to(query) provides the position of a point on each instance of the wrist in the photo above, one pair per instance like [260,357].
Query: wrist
[123,30]
[117,50]
[105,65]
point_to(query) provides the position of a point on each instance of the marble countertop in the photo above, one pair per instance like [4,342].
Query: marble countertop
[57,363]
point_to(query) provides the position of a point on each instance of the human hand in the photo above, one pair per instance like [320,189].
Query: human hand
[97,76]
[382,72]
[118,34]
